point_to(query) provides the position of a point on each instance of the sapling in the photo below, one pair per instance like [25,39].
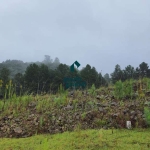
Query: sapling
[147,115]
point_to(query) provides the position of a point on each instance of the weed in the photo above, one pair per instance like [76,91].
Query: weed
[61,89]
[99,122]
[121,103]
[60,100]
[92,90]
[83,115]
[118,92]
[147,115]
[41,121]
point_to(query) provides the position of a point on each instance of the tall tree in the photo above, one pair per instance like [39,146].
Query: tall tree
[117,74]
[4,77]
[32,77]
[90,75]
[128,73]
[143,67]
[107,78]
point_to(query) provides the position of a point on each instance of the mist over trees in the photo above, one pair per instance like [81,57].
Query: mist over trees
[46,76]
[18,66]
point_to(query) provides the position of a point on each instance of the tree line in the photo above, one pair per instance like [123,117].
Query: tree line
[130,72]
[47,76]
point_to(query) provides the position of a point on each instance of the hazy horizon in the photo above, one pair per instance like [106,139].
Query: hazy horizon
[95,32]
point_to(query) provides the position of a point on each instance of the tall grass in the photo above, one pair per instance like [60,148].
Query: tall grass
[147,115]
[92,90]
[125,89]
[82,140]
[119,91]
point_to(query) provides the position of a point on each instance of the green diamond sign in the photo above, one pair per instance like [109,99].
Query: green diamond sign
[72,66]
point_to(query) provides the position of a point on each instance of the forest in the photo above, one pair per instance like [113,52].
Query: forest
[48,75]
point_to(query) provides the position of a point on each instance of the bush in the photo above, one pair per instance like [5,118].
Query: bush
[118,92]
[147,115]
[92,90]
[124,89]
[128,88]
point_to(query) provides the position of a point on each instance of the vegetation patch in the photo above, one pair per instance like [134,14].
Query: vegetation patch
[83,140]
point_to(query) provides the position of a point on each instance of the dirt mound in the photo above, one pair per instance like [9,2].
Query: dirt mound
[101,111]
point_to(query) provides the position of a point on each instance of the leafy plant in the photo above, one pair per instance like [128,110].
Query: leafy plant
[41,121]
[61,89]
[147,115]
[128,88]
[62,100]
[83,115]
[92,90]
[99,122]
[118,92]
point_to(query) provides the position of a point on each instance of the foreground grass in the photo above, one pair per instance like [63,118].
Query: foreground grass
[138,139]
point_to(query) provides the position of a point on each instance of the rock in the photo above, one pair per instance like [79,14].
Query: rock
[115,115]
[132,117]
[124,111]
[60,118]
[17,120]
[133,113]
[102,97]
[147,93]
[105,105]
[5,118]
[77,117]
[71,93]
[56,130]
[36,123]
[10,117]
[99,104]
[8,129]
[98,97]
[32,104]
[106,96]
[147,103]
[68,107]
[30,117]
[113,104]
[35,119]
[18,130]
[135,118]
[101,109]
[112,97]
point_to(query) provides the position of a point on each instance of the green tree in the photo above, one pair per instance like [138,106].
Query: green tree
[128,73]
[4,77]
[117,74]
[143,68]
[32,77]
[107,78]
[18,81]
[90,75]
[61,72]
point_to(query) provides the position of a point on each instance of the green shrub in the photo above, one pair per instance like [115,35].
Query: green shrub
[99,122]
[61,89]
[124,89]
[147,115]
[128,88]
[92,90]
[62,100]
[118,92]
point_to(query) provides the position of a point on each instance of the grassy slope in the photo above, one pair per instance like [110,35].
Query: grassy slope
[136,139]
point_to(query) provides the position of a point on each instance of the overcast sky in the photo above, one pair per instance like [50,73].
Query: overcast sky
[101,33]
